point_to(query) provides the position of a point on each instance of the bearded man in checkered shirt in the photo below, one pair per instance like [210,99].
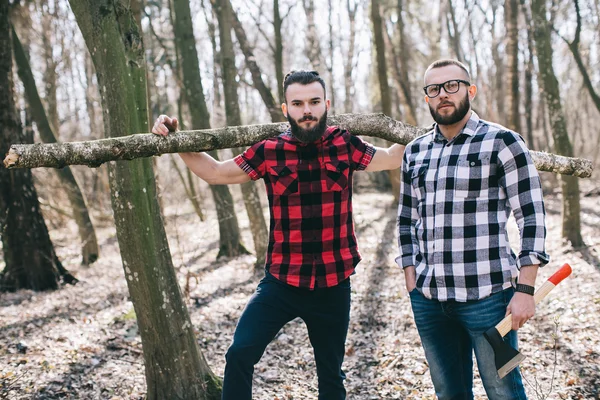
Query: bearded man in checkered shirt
[460,182]
[312,247]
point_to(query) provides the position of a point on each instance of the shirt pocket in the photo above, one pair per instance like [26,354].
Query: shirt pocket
[472,176]
[418,180]
[335,175]
[284,179]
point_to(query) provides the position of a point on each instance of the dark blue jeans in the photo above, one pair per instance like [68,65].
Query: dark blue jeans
[326,313]
[450,331]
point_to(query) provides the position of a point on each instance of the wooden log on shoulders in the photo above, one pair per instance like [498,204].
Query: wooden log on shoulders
[96,152]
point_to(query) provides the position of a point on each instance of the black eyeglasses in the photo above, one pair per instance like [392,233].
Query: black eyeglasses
[450,87]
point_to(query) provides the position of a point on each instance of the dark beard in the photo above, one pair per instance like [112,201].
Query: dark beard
[459,113]
[308,135]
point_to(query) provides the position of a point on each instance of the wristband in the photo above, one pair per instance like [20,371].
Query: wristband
[527,289]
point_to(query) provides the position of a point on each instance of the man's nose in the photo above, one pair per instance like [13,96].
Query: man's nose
[307,109]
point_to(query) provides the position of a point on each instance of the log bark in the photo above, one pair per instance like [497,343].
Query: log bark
[96,152]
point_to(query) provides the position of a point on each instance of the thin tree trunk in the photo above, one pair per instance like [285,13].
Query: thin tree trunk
[229,231]
[89,248]
[405,61]
[349,63]
[278,54]
[30,260]
[529,73]
[258,82]
[571,225]
[50,74]
[454,37]
[331,96]
[498,60]
[258,226]
[188,186]
[384,88]
[511,18]
[313,44]
[175,367]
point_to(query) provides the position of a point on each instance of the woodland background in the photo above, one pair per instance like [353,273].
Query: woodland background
[171,265]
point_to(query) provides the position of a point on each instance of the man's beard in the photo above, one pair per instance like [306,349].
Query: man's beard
[311,134]
[459,113]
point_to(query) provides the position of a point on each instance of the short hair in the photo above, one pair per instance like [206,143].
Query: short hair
[302,77]
[446,62]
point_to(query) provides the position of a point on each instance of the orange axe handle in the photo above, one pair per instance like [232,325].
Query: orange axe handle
[505,325]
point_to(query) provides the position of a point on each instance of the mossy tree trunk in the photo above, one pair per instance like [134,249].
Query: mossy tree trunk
[571,223]
[175,367]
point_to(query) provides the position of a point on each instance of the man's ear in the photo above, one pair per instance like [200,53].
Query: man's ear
[284,109]
[472,92]
[327,104]
[426,99]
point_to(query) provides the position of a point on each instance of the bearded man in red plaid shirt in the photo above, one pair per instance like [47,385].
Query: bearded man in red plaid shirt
[312,250]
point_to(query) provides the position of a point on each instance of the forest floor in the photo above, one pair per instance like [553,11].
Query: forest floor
[81,342]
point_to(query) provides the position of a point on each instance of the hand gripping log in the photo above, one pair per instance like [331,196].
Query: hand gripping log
[505,356]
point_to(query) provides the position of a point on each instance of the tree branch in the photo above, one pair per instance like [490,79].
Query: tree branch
[96,152]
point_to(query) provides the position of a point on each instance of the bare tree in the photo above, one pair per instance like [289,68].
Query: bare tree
[258,226]
[571,225]
[89,247]
[30,260]
[229,231]
[511,20]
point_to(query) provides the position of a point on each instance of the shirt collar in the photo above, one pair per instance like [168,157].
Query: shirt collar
[469,129]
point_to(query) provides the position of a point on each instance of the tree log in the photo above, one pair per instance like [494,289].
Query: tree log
[96,152]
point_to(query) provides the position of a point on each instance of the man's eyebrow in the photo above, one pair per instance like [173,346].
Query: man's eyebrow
[313,99]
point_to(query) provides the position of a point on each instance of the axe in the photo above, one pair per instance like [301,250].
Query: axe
[505,356]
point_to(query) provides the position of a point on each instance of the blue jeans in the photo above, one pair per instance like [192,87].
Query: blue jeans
[450,332]
[325,311]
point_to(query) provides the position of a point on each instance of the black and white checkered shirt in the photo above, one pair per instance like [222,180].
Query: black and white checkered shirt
[455,199]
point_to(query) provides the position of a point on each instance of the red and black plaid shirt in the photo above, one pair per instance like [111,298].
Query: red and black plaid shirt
[309,187]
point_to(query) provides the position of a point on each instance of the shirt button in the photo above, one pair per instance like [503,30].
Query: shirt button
[472,163]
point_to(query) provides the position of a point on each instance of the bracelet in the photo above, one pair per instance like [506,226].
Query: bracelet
[527,289]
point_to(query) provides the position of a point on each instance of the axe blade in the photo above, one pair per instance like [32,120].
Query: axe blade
[505,357]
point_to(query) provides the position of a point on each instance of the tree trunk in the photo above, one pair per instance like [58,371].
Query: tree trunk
[30,260]
[257,81]
[230,244]
[405,61]
[511,18]
[331,96]
[188,186]
[89,249]
[258,226]
[384,88]
[571,225]
[50,74]
[278,54]
[175,367]
[349,63]
[454,34]
[529,73]
[313,44]
[498,61]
